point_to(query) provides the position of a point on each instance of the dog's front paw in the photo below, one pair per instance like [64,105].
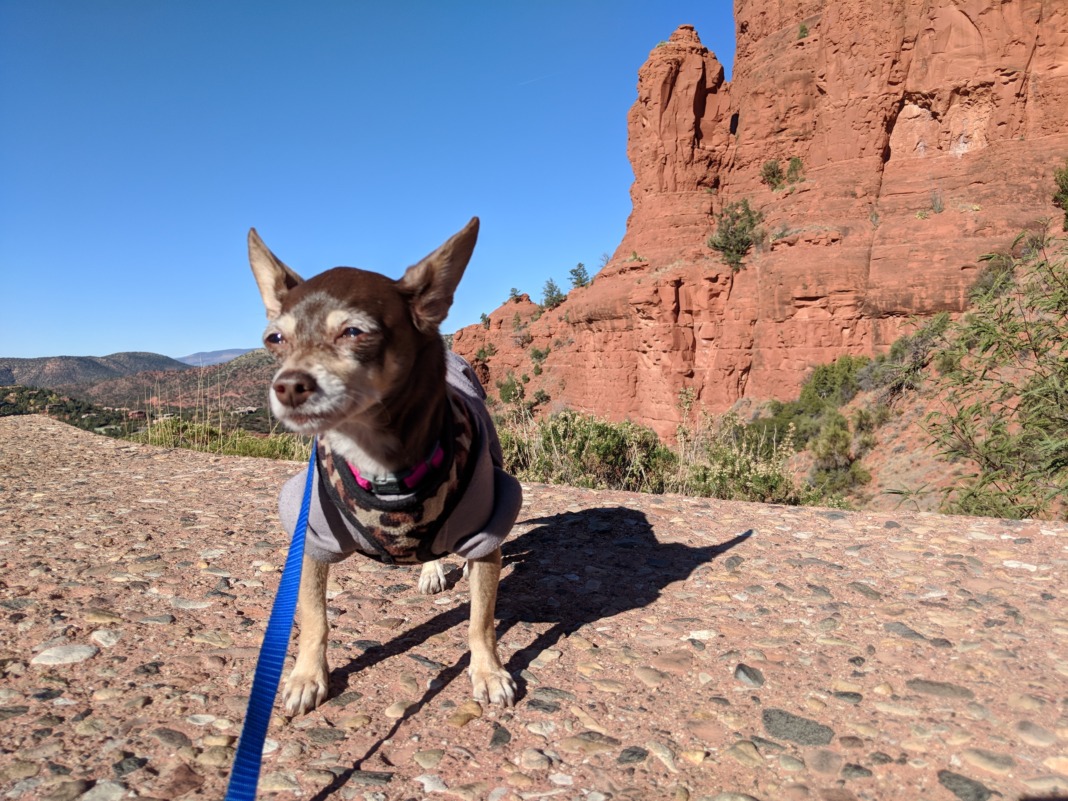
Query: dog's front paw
[432,578]
[494,686]
[304,690]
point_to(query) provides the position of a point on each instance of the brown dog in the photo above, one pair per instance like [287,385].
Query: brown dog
[409,464]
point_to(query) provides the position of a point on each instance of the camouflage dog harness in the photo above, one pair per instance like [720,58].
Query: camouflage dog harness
[462,502]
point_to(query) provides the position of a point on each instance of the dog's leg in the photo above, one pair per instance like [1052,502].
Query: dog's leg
[306,686]
[491,681]
[432,578]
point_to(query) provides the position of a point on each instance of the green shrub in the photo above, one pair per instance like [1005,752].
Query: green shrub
[484,319]
[737,230]
[828,387]
[771,174]
[487,350]
[728,461]
[796,171]
[510,390]
[1005,391]
[903,367]
[833,446]
[584,451]
[1060,196]
[833,482]
[996,275]
[835,383]
[802,32]
[200,436]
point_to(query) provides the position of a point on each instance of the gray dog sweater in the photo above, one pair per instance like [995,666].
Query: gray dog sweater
[471,510]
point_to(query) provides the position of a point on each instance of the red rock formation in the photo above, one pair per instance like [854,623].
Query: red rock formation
[928,133]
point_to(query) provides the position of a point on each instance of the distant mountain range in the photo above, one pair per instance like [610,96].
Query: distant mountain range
[209,357]
[228,379]
[240,383]
[58,371]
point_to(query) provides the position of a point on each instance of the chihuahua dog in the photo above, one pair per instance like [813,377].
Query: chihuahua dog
[409,467]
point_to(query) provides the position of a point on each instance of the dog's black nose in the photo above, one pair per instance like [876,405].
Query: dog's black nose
[293,387]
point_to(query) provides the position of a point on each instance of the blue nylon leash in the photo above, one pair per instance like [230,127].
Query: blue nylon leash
[245,775]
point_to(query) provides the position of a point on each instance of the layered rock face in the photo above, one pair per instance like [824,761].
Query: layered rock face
[927,132]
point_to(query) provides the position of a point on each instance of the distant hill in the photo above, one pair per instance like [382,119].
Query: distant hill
[210,357]
[237,384]
[58,371]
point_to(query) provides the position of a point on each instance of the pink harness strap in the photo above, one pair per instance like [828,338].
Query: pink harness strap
[411,479]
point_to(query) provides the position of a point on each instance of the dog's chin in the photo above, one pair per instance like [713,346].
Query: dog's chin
[306,419]
[305,424]
[309,423]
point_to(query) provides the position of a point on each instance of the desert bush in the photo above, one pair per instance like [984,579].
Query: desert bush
[903,368]
[1005,391]
[1060,196]
[796,171]
[584,451]
[995,275]
[835,383]
[722,458]
[832,448]
[198,435]
[771,174]
[828,387]
[510,390]
[728,460]
[737,230]
[487,350]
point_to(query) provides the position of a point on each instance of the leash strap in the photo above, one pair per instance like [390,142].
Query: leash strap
[245,775]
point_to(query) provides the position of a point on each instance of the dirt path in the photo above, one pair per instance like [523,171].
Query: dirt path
[667,648]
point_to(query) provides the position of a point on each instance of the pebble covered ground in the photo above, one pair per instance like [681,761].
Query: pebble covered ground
[665,647]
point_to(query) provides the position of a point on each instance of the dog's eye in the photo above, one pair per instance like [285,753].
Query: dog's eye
[352,332]
[274,339]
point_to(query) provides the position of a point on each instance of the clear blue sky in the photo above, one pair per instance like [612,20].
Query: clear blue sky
[140,140]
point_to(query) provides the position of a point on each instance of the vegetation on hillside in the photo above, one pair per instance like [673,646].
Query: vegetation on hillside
[1060,196]
[1003,381]
[1000,372]
[772,175]
[721,458]
[33,400]
[222,438]
[737,230]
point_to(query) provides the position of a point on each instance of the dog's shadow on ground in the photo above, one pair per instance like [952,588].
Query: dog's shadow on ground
[571,570]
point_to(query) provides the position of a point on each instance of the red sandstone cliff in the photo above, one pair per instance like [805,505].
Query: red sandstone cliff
[928,133]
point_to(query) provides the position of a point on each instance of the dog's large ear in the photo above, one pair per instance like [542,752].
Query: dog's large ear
[431,283]
[273,277]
